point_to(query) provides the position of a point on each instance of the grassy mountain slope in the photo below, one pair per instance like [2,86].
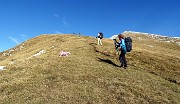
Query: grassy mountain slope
[90,74]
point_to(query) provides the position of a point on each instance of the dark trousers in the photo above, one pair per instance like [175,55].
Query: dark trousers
[122,59]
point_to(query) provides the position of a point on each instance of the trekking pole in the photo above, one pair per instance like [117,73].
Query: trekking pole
[116,45]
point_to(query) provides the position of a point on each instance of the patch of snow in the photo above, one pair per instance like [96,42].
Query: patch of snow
[52,46]
[151,46]
[178,43]
[11,62]
[157,37]
[2,67]
[21,47]
[131,32]
[172,41]
[113,37]
[11,51]
[150,35]
[4,54]
[176,37]
[167,41]
[39,53]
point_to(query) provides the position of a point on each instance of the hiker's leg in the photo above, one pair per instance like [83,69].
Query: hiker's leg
[98,41]
[121,60]
[124,59]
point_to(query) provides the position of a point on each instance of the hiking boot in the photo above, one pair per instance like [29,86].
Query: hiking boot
[121,65]
[125,67]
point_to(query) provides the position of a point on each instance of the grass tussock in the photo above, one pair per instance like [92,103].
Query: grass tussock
[91,73]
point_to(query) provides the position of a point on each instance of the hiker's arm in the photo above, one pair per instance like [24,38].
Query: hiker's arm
[119,48]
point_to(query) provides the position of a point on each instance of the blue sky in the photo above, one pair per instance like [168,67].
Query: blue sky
[24,19]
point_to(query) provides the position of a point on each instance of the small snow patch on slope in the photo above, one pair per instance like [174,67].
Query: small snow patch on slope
[2,67]
[37,54]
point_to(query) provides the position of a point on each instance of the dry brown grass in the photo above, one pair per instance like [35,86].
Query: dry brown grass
[90,74]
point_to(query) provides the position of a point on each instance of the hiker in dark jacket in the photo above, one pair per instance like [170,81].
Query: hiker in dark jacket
[100,36]
[123,50]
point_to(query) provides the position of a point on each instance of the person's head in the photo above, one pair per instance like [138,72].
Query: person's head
[121,36]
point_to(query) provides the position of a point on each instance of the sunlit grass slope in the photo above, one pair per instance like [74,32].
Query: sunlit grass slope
[91,73]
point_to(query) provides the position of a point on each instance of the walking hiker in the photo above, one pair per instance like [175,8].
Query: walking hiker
[122,56]
[100,36]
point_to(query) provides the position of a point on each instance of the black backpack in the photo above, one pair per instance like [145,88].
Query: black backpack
[100,35]
[128,42]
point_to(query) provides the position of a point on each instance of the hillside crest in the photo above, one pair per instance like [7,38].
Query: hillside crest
[36,73]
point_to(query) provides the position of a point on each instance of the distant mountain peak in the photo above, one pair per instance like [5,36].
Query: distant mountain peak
[152,36]
[143,33]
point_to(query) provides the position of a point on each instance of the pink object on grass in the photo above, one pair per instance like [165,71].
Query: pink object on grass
[64,53]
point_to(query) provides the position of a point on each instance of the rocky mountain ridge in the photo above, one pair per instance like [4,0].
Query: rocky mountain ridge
[157,37]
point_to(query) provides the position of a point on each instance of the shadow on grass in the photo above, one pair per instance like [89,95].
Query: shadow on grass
[96,50]
[108,61]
